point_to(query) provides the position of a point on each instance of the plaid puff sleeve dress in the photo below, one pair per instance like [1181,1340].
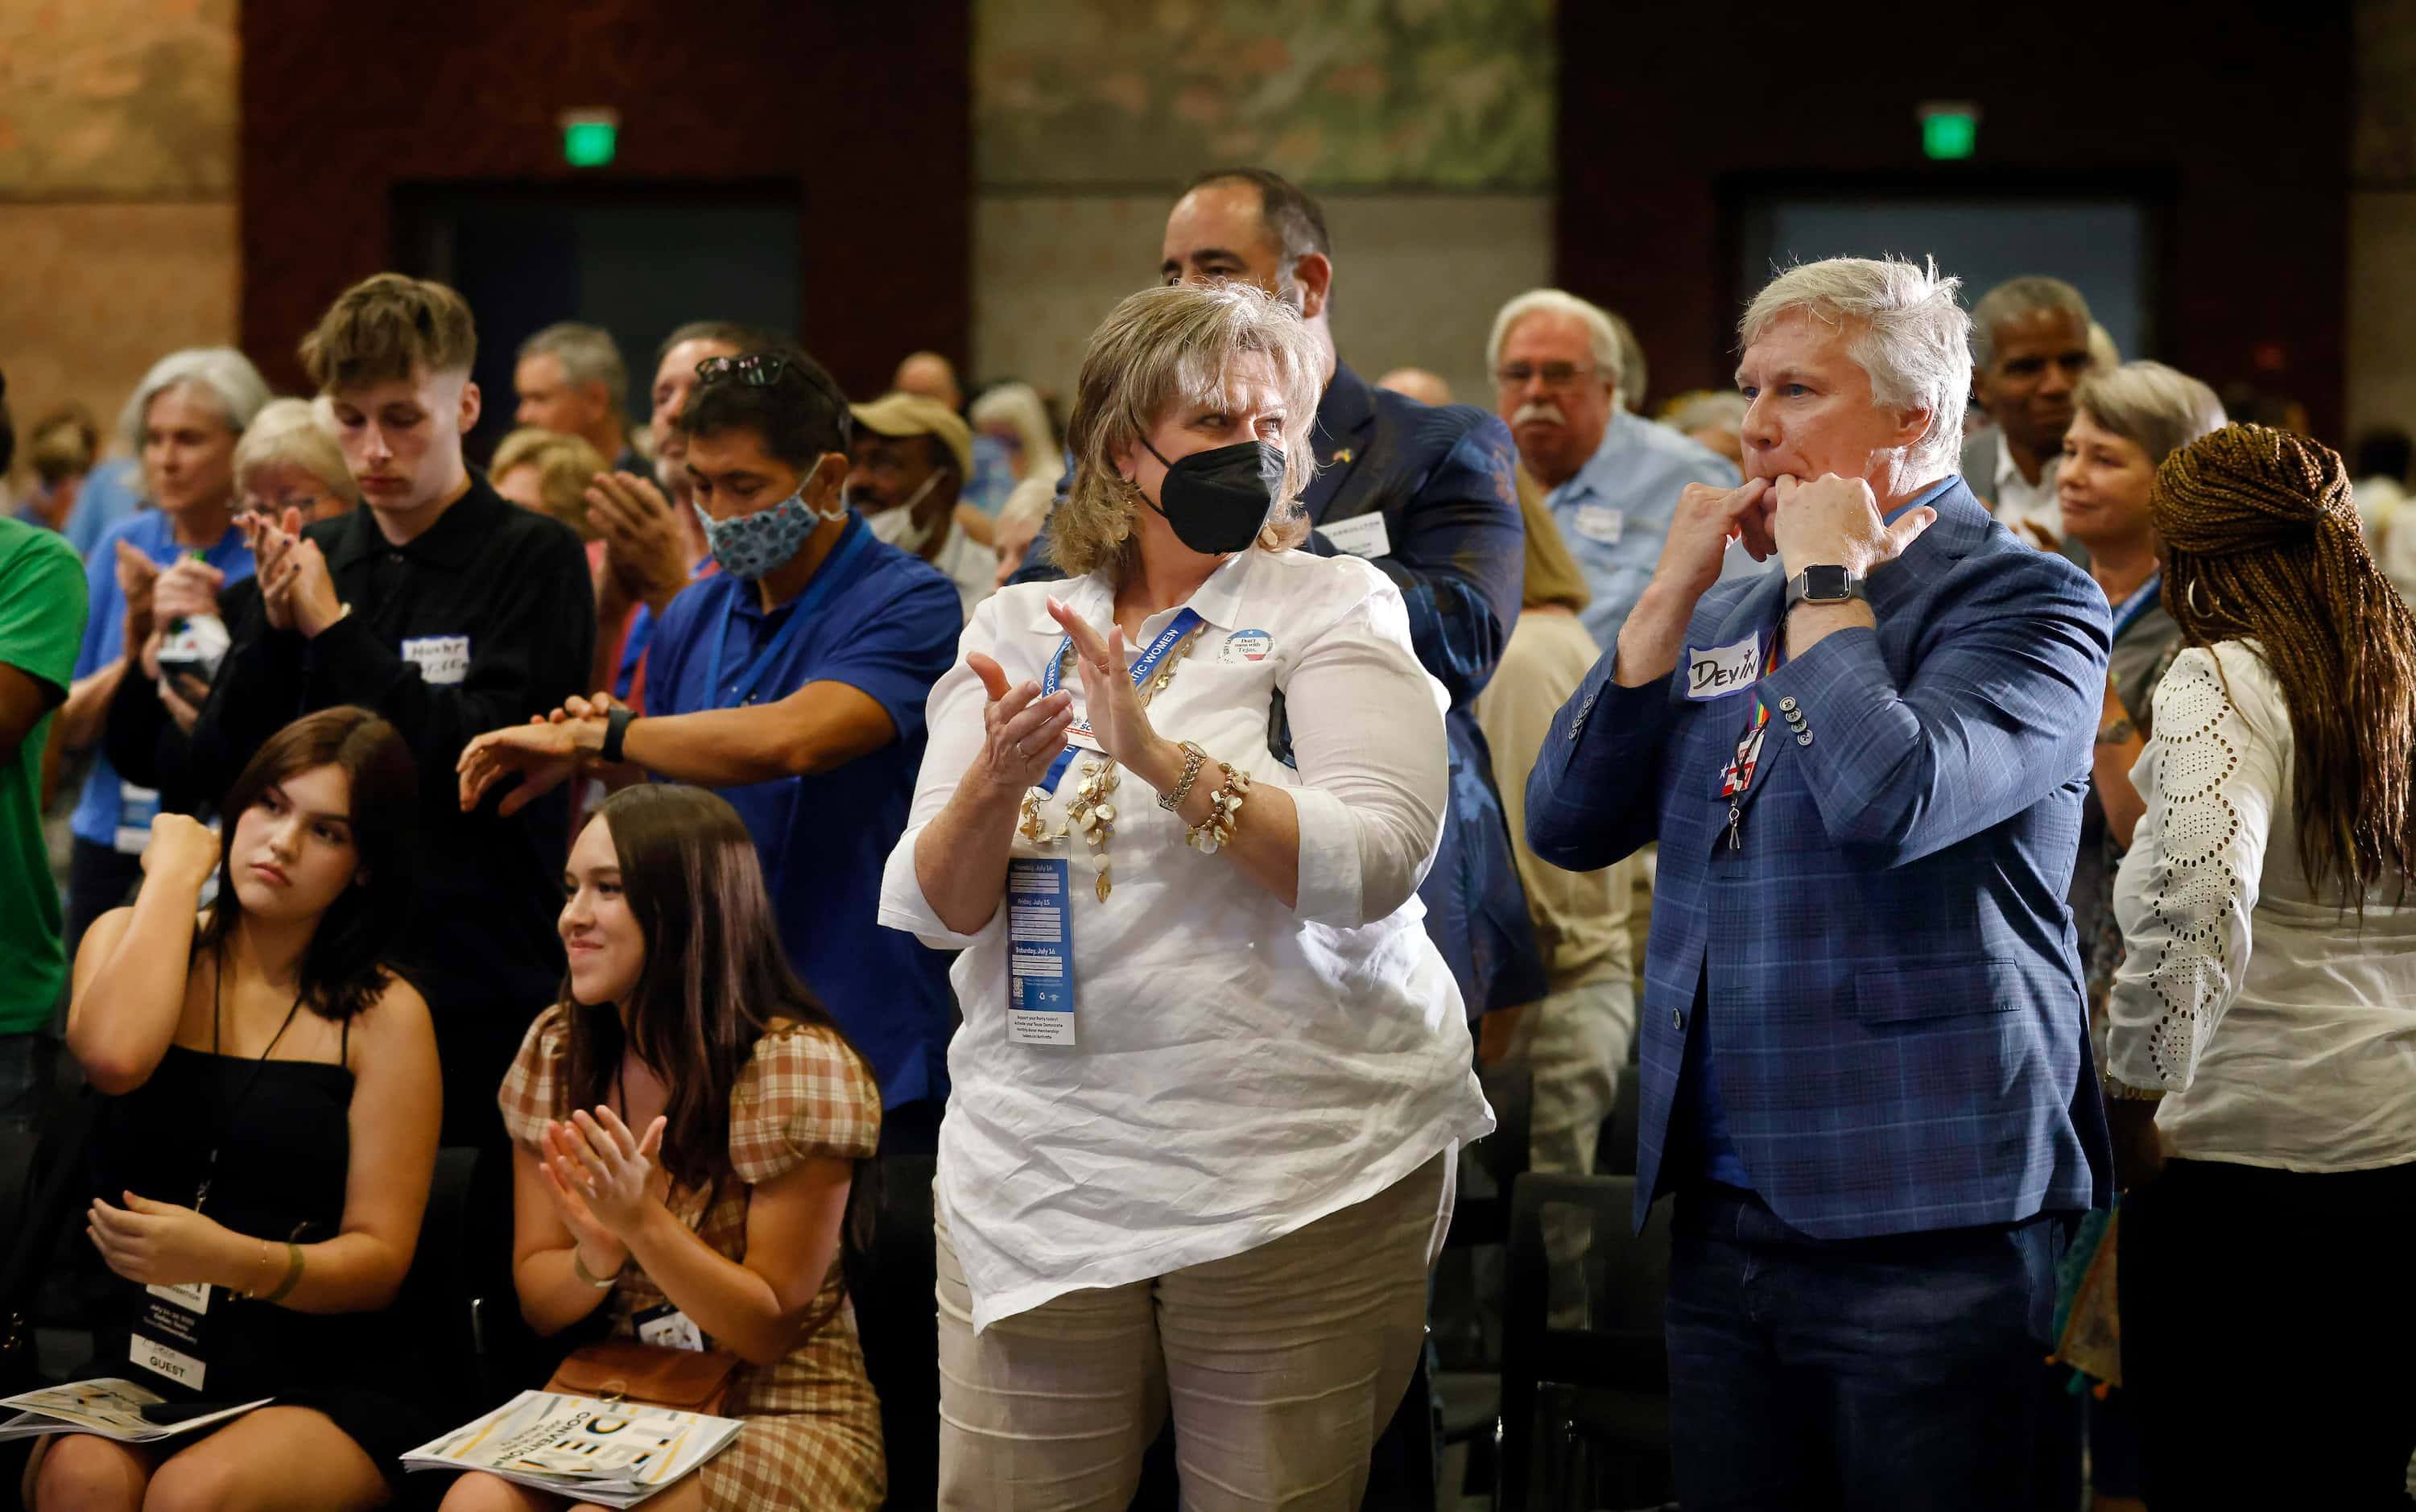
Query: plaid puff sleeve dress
[813,1438]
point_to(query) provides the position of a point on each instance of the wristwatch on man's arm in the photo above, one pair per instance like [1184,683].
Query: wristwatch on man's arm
[1820,584]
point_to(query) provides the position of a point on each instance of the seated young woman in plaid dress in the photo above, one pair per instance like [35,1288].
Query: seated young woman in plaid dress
[686,1124]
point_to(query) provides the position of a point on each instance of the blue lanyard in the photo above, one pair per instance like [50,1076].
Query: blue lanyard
[832,573]
[2127,613]
[1183,625]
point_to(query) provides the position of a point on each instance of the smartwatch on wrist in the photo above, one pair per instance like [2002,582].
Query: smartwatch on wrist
[617,726]
[1824,586]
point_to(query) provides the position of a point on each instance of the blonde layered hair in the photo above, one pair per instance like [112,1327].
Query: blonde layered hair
[2158,409]
[1161,348]
[566,466]
[287,432]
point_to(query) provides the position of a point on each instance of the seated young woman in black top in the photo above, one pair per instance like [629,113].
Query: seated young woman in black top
[272,1130]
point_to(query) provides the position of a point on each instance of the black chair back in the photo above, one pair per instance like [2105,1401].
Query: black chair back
[1481,1215]
[439,1305]
[892,1281]
[1618,1363]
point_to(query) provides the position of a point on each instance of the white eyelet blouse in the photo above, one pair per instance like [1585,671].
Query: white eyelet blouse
[2281,1026]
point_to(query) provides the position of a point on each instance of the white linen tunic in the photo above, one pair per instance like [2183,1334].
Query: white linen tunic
[1241,1068]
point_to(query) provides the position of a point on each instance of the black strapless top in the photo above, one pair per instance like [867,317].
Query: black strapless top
[284,1136]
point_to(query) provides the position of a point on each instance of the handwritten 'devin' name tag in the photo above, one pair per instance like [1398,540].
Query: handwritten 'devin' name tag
[1722,670]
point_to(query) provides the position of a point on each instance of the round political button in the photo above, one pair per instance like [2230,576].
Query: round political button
[1247,646]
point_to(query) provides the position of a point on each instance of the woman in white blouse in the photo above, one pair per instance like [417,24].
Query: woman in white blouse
[2261,1051]
[1212,1072]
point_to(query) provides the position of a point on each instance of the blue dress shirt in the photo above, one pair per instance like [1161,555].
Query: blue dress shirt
[888,629]
[1615,513]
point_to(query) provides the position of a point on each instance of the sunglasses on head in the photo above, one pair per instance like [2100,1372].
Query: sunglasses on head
[757,369]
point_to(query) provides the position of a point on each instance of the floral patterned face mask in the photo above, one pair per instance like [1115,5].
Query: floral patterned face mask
[749,546]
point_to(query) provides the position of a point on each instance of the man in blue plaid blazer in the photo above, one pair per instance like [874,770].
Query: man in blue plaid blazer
[1867,1071]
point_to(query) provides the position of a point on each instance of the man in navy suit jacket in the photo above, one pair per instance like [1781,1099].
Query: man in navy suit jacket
[1867,1072]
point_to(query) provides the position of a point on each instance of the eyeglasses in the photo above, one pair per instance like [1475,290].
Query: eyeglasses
[757,369]
[1555,374]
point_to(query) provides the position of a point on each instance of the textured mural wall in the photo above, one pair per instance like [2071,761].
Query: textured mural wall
[2383,219]
[1355,94]
[118,219]
[1425,127]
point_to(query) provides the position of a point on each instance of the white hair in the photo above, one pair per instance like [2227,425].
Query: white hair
[588,355]
[287,433]
[1902,326]
[221,372]
[1019,405]
[2030,294]
[2102,353]
[1610,352]
[1027,503]
[1633,375]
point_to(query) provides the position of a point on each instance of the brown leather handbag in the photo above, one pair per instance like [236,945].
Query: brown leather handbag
[684,1380]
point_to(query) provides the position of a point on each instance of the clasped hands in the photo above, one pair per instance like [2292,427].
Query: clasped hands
[646,557]
[545,752]
[160,596]
[296,589]
[1829,521]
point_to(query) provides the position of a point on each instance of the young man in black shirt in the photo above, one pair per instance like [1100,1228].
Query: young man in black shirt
[450,612]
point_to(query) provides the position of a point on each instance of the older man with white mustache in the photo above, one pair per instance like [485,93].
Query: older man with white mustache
[1613,478]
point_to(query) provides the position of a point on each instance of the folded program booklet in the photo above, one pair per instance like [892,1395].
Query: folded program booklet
[113,1409]
[617,1454]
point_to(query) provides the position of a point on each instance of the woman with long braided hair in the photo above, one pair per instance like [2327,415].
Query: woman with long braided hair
[2264,1102]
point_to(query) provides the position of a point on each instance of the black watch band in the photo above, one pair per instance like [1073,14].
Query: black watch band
[1824,584]
[617,726]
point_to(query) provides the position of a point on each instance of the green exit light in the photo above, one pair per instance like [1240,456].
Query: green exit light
[1949,134]
[590,144]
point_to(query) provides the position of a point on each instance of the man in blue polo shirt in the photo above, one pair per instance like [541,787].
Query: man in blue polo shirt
[792,682]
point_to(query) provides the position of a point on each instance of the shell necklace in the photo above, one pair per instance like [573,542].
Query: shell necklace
[1091,809]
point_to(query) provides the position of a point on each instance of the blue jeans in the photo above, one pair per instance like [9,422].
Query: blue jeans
[1895,1374]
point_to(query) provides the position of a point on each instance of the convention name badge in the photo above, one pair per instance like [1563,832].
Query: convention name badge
[167,1338]
[1601,522]
[1039,952]
[1360,536]
[136,808]
[667,1327]
[1723,670]
[442,659]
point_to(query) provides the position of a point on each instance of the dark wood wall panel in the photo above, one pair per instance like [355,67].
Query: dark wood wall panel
[866,106]
[2237,114]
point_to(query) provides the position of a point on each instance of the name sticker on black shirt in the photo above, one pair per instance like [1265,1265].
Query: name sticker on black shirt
[442,659]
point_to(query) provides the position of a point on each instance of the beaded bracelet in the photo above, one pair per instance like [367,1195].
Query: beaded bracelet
[1216,830]
[1193,758]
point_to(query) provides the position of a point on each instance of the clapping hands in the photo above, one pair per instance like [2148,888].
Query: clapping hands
[295,588]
